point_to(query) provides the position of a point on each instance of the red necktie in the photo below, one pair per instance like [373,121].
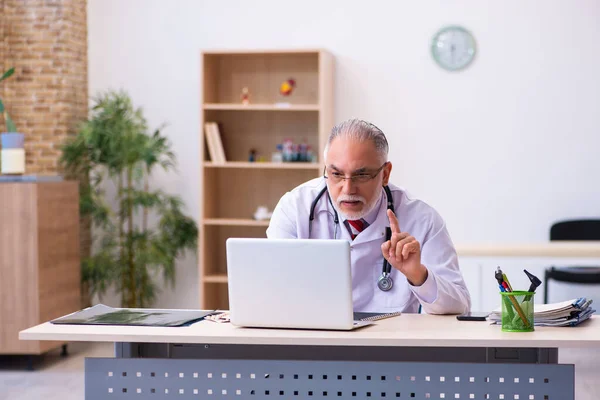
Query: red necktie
[358,225]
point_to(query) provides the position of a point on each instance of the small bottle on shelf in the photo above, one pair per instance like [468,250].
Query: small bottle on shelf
[309,154]
[302,151]
[277,156]
[287,150]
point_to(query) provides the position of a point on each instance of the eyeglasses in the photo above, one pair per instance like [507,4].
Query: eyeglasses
[363,177]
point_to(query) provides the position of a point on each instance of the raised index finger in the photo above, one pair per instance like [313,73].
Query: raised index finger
[394,225]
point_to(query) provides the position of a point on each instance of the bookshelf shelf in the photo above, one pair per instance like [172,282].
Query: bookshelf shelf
[262,107]
[232,188]
[241,52]
[263,165]
[235,222]
[222,278]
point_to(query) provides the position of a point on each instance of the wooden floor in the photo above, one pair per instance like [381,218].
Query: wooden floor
[61,378]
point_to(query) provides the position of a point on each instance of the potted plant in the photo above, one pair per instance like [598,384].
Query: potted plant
[114,149]
[12,142]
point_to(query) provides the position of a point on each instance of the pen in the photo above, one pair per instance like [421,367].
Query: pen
[508,307]
[507,282]
[498,275]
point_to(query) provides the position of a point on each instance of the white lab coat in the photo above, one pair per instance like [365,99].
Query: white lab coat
[444,291]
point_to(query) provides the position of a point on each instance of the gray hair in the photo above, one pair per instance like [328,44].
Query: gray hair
[362,131]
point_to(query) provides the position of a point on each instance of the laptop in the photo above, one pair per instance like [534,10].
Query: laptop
[290,283]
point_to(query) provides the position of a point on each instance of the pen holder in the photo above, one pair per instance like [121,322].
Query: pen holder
[517,311]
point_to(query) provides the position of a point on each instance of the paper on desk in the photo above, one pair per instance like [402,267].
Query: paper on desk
[554,308]
[567,313]
[220,318]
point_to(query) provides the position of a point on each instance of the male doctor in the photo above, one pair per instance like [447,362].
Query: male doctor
[350,202]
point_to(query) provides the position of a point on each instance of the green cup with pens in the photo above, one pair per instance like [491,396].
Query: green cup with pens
[517,306]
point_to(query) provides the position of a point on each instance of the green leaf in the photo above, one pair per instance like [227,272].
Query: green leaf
[10,125]
[1,106]
[7,74]
[101,269]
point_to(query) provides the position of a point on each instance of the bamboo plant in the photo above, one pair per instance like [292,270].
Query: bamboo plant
[10,125]
[114,149]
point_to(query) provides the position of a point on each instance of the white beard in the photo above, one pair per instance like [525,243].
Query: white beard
[357,215]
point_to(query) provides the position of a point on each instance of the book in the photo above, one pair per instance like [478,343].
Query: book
[210,143]
[216,137]
[373,316]
[101,314]
[214,143]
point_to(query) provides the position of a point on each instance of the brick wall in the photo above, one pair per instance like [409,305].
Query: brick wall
[46,42]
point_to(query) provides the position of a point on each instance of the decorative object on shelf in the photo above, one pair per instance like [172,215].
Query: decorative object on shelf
[252,156]
[453,48]
[262,213]
[302,154]
[288,149]
[13,153]
[12,142]
[245,96]
[277,156]
[115,147]
[287,87]
[214,142]
[293,152]
[310,155]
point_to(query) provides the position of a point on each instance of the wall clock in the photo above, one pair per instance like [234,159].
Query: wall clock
[453,48]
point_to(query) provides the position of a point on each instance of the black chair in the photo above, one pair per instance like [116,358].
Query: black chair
[574,230]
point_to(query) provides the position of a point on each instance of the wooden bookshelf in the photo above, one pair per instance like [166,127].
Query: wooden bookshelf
[232,190]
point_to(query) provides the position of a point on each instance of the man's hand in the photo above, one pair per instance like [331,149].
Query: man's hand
[403,252]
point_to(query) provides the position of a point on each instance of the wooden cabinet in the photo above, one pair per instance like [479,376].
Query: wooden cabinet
[39,259]
[232,190]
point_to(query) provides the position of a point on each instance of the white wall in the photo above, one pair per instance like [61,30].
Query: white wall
[501,149]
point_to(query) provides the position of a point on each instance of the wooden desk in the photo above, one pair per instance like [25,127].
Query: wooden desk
[410,356]
[407,330]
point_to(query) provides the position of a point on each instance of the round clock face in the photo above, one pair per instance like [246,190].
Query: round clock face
[453,48]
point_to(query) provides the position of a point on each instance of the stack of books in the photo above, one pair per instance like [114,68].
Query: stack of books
[566,313]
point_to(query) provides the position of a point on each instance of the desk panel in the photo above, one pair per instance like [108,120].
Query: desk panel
[117,378]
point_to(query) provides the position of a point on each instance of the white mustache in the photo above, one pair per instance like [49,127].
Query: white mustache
[350,197]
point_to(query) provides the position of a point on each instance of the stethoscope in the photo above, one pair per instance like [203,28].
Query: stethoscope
[385,281]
